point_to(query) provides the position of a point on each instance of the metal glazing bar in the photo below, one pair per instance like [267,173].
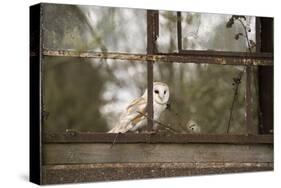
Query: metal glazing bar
[150,50]
[255,76]
[251,128]
[179,30]
[206,57]
[258,34]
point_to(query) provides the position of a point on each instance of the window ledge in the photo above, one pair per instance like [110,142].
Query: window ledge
[93,137]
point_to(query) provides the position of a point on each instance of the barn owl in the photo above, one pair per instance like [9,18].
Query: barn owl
[133,120]
[193,127]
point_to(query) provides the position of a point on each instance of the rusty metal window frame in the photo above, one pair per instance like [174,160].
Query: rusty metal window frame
[183,56]
[249,70]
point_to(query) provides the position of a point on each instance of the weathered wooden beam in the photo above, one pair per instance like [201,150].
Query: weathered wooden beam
[121,153]
[90,137]
[56,174]
[221,58]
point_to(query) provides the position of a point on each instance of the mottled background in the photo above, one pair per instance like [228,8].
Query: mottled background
[89,94]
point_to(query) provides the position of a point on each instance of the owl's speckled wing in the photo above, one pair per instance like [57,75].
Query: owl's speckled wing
[131,119]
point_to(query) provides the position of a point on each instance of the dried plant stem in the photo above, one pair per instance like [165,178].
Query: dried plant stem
[239,77]
[161,124]
[234,99]
[115,138]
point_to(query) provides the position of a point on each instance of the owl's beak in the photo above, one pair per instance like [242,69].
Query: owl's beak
[160,98]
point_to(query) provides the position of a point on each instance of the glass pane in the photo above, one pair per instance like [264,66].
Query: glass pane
[202,31]
[89,94]
[201,96]
[167,40]
[209,32]
[94,28]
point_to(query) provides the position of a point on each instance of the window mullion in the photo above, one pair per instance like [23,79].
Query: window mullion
[152,32]
[249,105]
[179,31]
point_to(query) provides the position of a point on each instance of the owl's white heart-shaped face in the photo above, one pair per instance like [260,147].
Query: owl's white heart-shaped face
[161,92]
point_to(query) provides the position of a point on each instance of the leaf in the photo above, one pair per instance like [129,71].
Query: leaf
[230,22]
[238,35]
[252,43]
[244,17]
[238,16]
[237,80]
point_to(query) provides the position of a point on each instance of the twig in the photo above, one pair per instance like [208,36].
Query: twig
[246,35]
[232,106]
[114,140]
[239,77]
[161,124]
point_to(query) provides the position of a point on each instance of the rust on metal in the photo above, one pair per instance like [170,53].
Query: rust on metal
[91,137]
[258,34]
[150,94]
[255,77]
[258,59]
[56,174]
[251,129]
[152,34]
[226,54]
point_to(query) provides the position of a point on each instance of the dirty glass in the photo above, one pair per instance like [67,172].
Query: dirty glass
[201,96]
[203,31]
[88,94]
[100,29]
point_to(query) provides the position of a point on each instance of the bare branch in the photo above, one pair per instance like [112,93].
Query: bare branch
[161,124]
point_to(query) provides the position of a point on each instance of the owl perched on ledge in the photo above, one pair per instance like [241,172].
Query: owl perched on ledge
[133,120]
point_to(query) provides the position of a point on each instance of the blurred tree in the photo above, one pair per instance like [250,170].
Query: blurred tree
[66,27]
[72,95]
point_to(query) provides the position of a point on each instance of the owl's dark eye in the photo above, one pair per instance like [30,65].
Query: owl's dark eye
[165,92]
[156,91]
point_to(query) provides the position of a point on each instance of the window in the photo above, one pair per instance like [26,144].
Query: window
[95,60]
[187,70]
